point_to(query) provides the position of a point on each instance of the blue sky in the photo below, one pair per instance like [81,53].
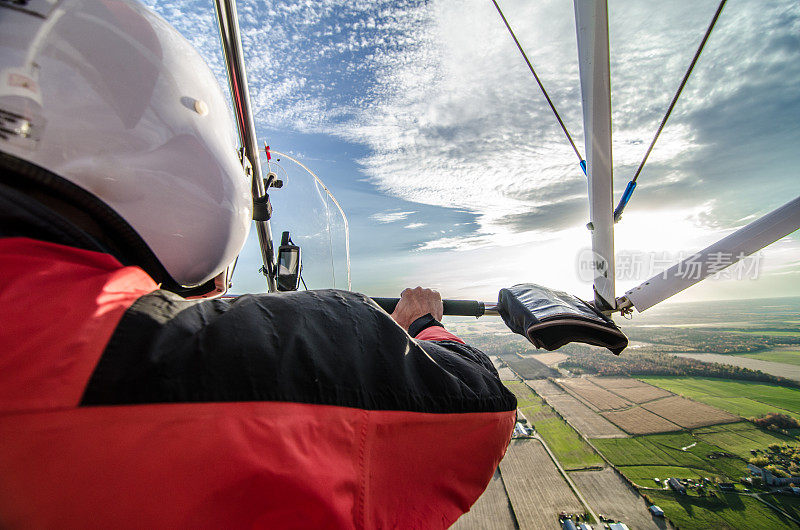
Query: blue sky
[423,120]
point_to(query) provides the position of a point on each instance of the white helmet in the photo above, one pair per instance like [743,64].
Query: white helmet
[108,96]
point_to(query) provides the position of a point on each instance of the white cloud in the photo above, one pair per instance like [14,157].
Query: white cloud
[449,115]
[389,217]
[412,226]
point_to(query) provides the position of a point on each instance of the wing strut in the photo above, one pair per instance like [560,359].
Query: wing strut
[237,79]
[725,252]
[591,21]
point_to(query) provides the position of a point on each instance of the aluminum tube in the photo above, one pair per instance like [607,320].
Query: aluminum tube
[722,254]
[591,21]
[237,79]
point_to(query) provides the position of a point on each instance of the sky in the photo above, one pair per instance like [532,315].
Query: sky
[423,120]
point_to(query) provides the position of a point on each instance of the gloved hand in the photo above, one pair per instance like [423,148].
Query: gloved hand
[550,319]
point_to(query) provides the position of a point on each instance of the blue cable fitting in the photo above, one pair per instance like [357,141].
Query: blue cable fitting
[583,167]
[626,196]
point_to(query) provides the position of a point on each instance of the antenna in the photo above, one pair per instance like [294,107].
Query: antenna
[591,21]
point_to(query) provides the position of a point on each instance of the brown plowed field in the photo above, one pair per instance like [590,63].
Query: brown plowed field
[613,383]
[506,374]
[631,389]
[584,419]
[492,510]
[689,414]
[550,358]
[595,396]
[639,421]
[545,387]
[642,394]
[609,494]
[537,491]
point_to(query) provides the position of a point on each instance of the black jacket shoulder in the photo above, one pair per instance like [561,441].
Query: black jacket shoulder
[324,347]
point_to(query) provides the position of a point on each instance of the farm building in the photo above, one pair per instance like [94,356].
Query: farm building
[770,479]
[519,430]
[584,526]
[655,510]
[567,524]
[676,486]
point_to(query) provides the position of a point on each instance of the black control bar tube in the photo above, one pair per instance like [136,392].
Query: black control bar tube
[463,308]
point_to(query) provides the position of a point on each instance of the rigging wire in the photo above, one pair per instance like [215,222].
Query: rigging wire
[539,82]
[626,195]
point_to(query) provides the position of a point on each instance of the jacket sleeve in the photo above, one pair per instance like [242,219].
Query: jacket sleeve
[325,347]
[427,328]
[429,421]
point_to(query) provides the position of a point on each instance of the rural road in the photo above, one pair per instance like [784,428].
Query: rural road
[561,470]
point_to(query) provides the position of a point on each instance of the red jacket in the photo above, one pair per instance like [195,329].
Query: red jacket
[122,405]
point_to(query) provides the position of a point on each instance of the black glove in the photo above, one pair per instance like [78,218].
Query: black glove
[550,319]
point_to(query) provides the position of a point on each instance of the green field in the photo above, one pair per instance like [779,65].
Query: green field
[728,510]
[570,449]
[644,475]
[777,356]
[745,398]
[787,333]
[666,450]
[789,503]
[740,438]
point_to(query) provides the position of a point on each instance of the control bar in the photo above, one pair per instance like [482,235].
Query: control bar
[461,308]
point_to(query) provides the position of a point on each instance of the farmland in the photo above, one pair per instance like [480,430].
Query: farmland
[528,367]
[745,398]
[640,421]
[491,511]
[644,409]
[587,421]
[545,388]
[725,511]
[584,419]
[571,451]
[527,491]
[777,356]
[667,450]
[506,374]
[644,475]
[610,495]
[688,414]
[535,488]
[550,358]
[740,438]
[633,390]
[788,503]
[595,396]
[767,333]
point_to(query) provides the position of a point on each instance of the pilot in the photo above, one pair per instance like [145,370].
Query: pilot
[127,399]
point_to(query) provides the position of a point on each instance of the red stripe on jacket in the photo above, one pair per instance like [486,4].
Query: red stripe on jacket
[58,307]
[205,465]
[437,333]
